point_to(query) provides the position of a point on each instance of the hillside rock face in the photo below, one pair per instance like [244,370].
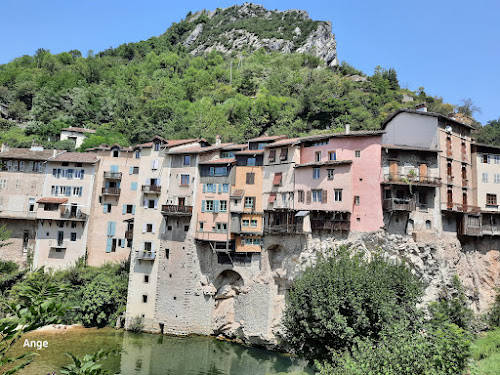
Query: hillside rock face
[250,27]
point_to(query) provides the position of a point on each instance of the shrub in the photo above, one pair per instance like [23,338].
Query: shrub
[494,314]
[345,298]
[136,324]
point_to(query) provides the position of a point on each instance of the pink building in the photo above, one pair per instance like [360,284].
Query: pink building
[338,181]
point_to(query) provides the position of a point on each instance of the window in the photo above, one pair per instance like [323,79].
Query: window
[151,203]
[77,190]
[157,146]
[147,246]
[149,228]
[135,170]
[137,154]
[50,207]
[220,227]
[56,173]
[301,196]
[284,154]
[250,178]
[3,183]
[497,159]
[317,156]
[65,163]
[209,206]
[73,236]
[332,155]
[54,190]
[317,195]
[116,153]
[154,164]
[428,224]
[106,208]
[338,195]
[253,223]
[331,173]
[146,279]
[225,188]
[357,153]
[200,226]
[184,179]
[315,173]
[491,199]
[218,171]
[251,161]
[245,223]
[497,178]
[486,158]
[249,202]
[186,160]
[227,154]
[356,199]
[144,298]
[79,165]
[223,206]
[129,209]
[277,179]
[272,155]
[210,188]
[21,166]
[31,204]
[485,177]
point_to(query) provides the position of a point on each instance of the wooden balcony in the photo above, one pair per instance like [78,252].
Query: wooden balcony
[151,189]
[176,210]
[145,255]
[398,204]
[459,207]
[113,175]
[334,226]
[75,216]
[401,179]
[112,191]
[490,229]
[283,228]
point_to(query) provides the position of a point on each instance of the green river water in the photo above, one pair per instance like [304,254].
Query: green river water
[147,354]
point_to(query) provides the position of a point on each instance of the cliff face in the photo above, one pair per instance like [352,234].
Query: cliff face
[249,27]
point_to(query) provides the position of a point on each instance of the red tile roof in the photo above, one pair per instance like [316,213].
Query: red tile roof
[410,148]
[238,193]
[219,161]
[196,149]
[232,146]
[432,114]
[75,157]
[267,138]
[249,152]
[283,142]
[322,163]
[79,130]
[355,133]
[27,154]
[52,200]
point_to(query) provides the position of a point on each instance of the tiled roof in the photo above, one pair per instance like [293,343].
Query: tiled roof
[27,154]
[267,138]
[355,133]
[79,130]
[178,142]
[238,193]
[75,157]
[283,142]
[322,163]
[52,200]
[105,147]
[232,146]
[249,152]
[432,114]
[484,146]
[219,161]
[410,148]
[194,150]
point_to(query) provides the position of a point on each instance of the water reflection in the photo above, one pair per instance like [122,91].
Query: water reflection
[145,354]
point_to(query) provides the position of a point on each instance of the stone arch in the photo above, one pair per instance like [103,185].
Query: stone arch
[228,285]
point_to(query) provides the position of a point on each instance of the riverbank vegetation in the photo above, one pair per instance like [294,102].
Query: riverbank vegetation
[356,317]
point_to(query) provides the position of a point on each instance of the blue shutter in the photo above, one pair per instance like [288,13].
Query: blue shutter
[105,209]
[216,206]
[133,209]
[109,242]
[133,186]
[131,170]
[114,168]
[212,171]
[109,228]
[220,188]
[123,242]
[124,209]
[204,188]
[112,229]
[80,192]
[202,206]
[82,174]
[107,184]
[119,184]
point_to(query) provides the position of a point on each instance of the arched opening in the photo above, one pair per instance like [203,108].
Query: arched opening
[228,285]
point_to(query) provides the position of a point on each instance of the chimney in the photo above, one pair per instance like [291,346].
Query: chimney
[421,107]
[217,140]
[54,153]
[347,128]
[5,147]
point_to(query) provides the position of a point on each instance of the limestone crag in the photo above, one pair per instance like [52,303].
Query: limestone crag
[235,29]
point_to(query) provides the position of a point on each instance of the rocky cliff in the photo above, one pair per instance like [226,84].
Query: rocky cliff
[246,28]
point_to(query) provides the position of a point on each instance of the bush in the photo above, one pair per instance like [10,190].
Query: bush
[344,299]
[494,314]
[136,324]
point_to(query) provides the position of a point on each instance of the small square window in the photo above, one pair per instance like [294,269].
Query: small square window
[149,228]
[73,236]
[356,200]
[200,226]
[186,228]
[144,298]
[316,173]
[187,160]
[357,153]
[169,227]
[167,253]
[146,279]
[331,174]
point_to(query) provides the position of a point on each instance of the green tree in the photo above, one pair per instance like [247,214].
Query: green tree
[344,298]
[88,364]
[4,236]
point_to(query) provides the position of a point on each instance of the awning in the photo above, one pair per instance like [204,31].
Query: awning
[238,193]
[302,213]
[272,197]
[52,200]
[277,179]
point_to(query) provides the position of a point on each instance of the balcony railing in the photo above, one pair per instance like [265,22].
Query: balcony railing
[398,204]
[151,189]
[410,179]
[129,234]
[459,207]
[490,229]
[11,214]
[111,191]
[172,209]
[56,244]
[283,228]
[145,255]
[71,215]
[331,225]
[113,175]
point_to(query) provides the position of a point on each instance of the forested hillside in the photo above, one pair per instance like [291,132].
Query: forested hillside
[158,87]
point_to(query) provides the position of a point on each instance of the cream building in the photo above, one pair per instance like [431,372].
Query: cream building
[21,182]
[114,204]
[77,135]
[64,208]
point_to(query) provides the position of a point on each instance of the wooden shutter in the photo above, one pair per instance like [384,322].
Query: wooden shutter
[308,197]
[325,197]
[423,170]
[393,169]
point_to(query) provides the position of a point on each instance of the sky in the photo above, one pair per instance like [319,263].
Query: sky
[449,47]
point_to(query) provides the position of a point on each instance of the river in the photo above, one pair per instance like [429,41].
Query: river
[147,354]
